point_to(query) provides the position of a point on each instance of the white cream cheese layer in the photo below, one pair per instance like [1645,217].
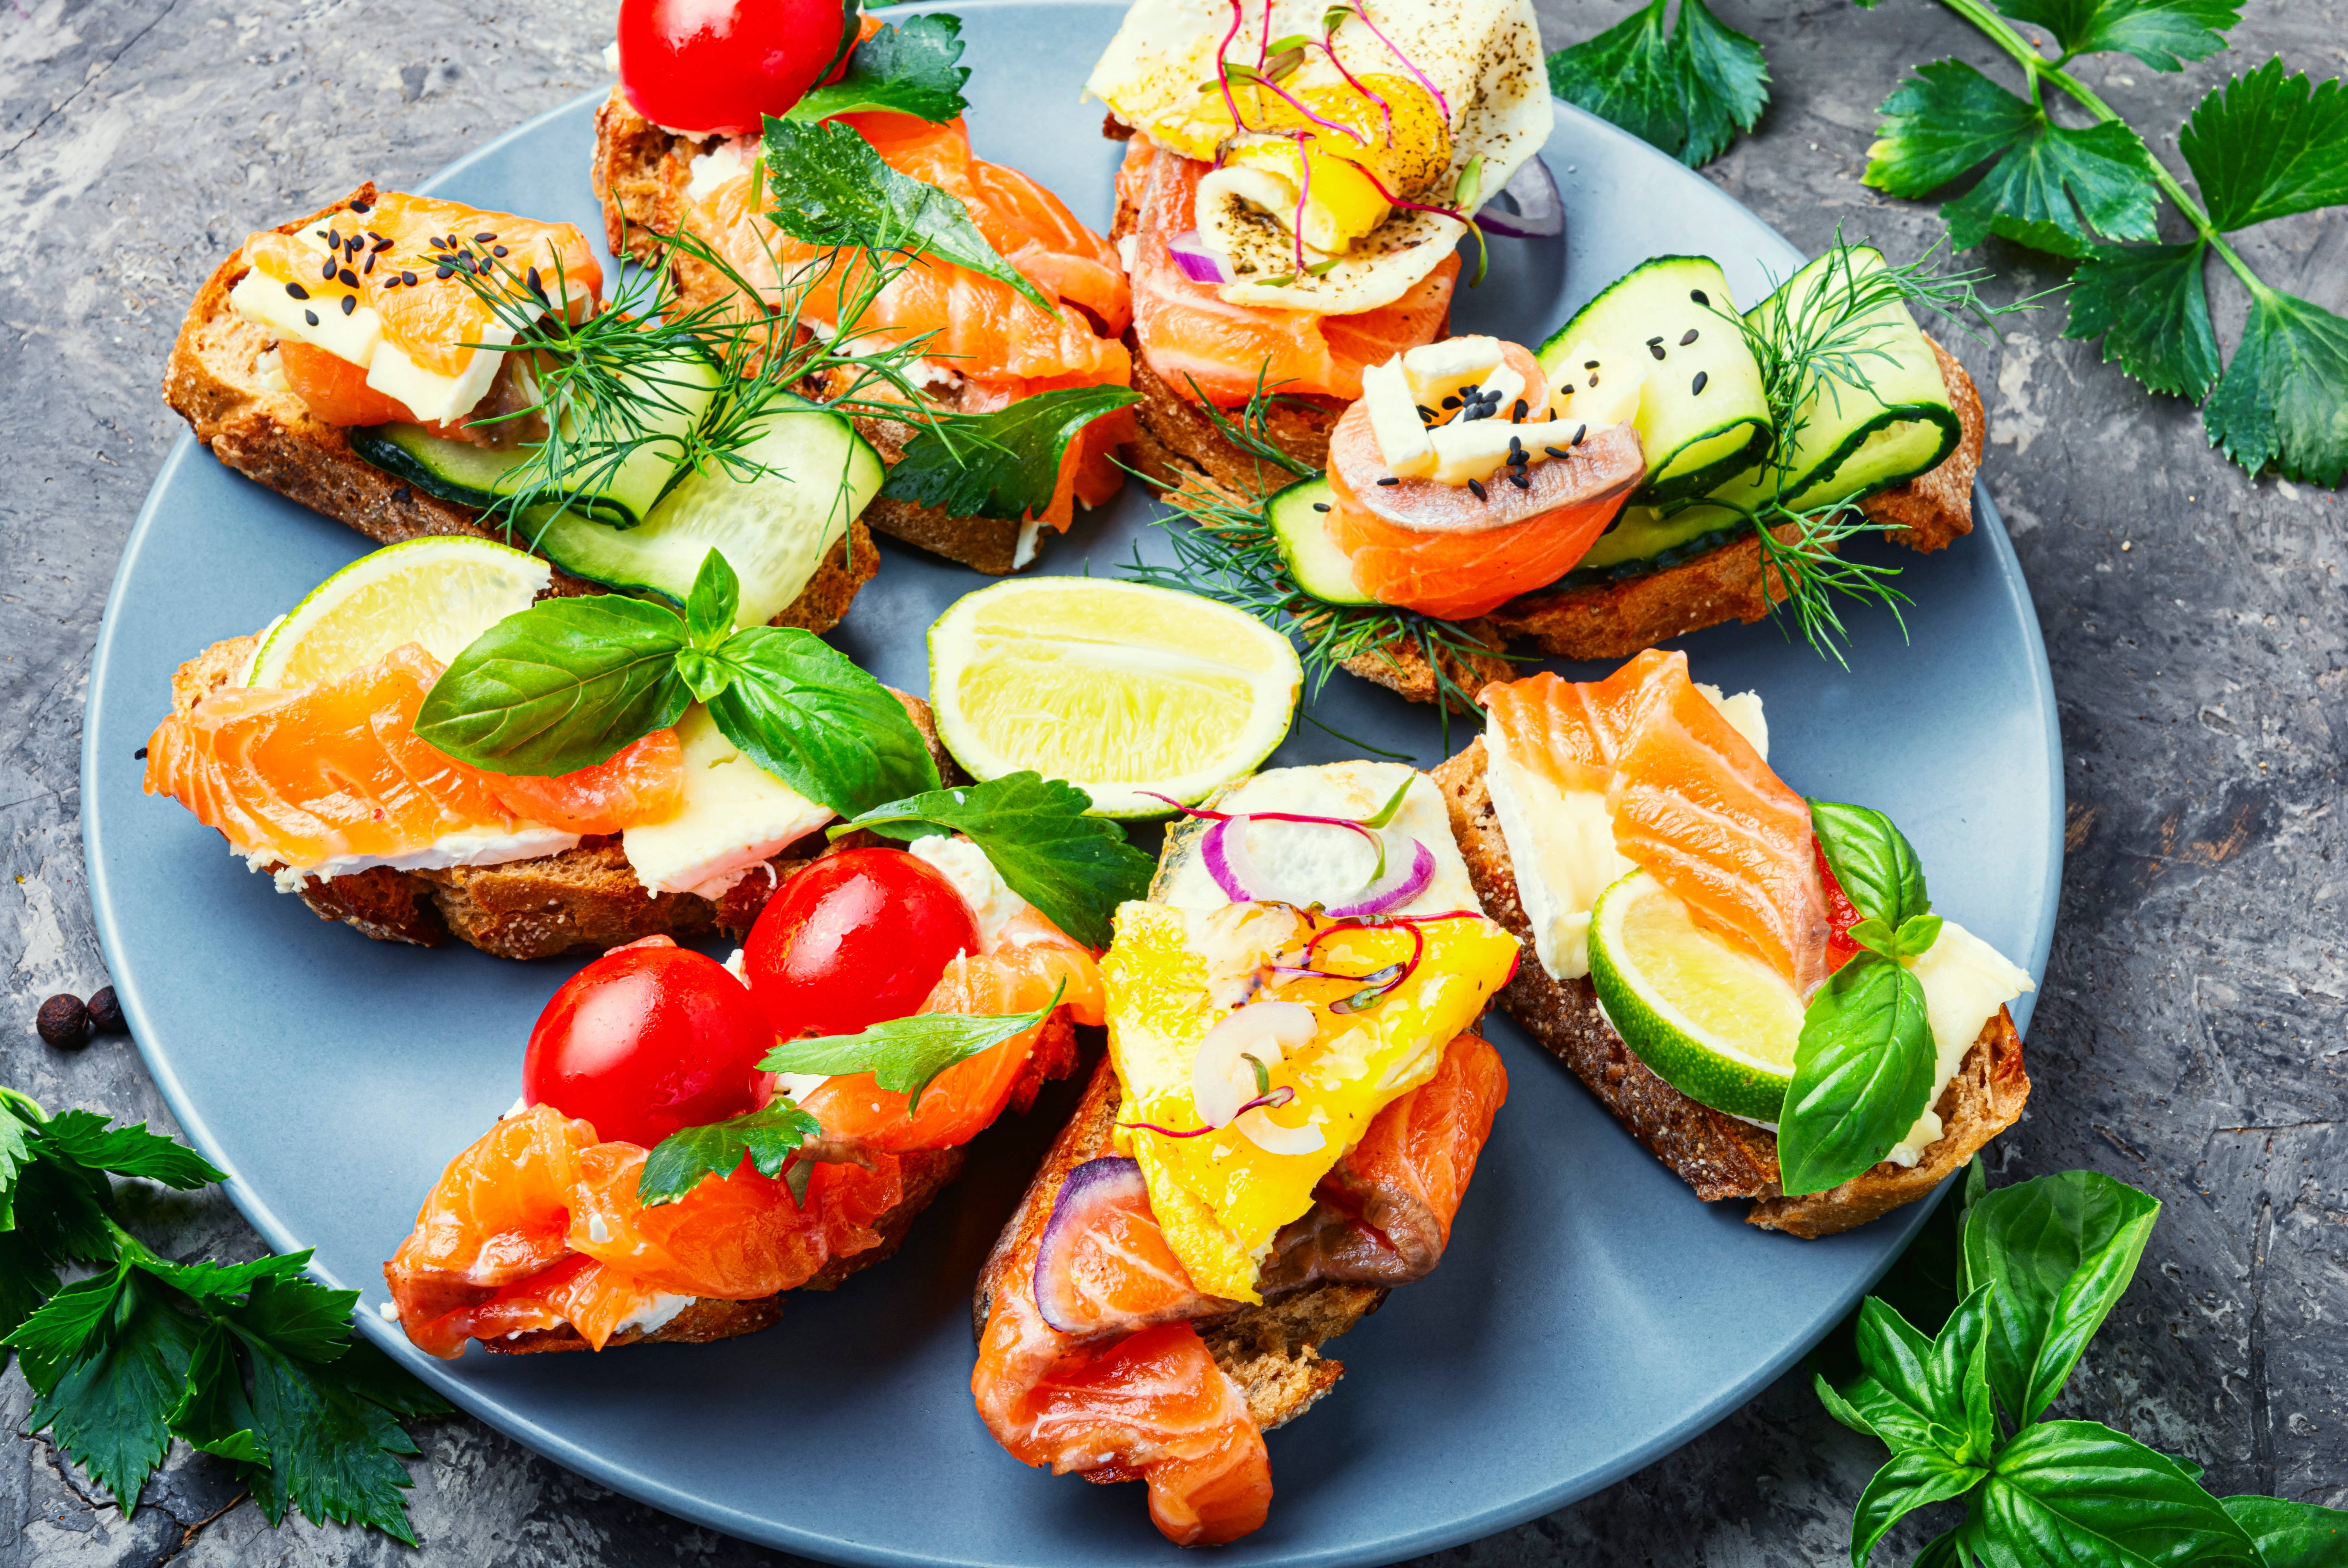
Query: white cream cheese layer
[449,849]
[734,815]
[993,903]
[1329,864]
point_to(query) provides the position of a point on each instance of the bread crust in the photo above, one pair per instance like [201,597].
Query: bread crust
[213,381]
[1718,1155]
[582,900]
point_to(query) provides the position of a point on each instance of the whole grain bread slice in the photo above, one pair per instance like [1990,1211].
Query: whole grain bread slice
[583,899]
[1718,1155]
[216,381]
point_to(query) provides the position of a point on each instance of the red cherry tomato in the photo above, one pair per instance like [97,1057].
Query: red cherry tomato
[853,939]
[647,1039]
[1841,914]
[717,66]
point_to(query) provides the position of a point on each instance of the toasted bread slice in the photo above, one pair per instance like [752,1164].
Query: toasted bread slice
[583,899]
[214,381]
[641,172]
[1273,1351]
[1718,1155]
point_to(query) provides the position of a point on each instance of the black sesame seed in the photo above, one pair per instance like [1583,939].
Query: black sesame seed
[1593,380]
[1390,480]
[1697,388]
[1522,409]
[1554,451]
[310,316]
[1689,338]
[368,271]
[140,755]
[350,304]
[1590,364]
[483,238]
[444,271]
[409,278]
[362,207]
[529,280]
[1450,402]
[349,279]
[497,249]
[328,270]
[1479,489]
[1520,479]
[1578,431]
[1427,416]
[1656,348]
[297,290]
[1320,506]
[1699,296]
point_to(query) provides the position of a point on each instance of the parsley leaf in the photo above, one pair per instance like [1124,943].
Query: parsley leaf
[333,1450]
[830,187]
[1074,868]
[108,1406]
[2163,33]
[86,1141]
[1005,464]
[801,710]
[2149,305]
[1950,119]
[2284,398]
[1687,91]
[908,69]
[766,1137]
[904,1054]
[2267,145]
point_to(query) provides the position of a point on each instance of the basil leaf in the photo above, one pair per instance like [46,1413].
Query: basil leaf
[709,607]
[908,69]
[559,686]
[2061,1249]
[1898,1399]
[1959,1367]
[904,1054]
[704,674]
[766,1137]
[1005,464]
[1873,861]
[1862,1074]
[2291,1534]
[2077,1492]
[830,187]
[1916,936]
[1910,1482]
[1945,1550]
[1074,868]
[802,711]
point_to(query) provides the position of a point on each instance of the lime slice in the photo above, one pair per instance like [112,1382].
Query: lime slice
[1117,687]
[1714,1022]
[440,592]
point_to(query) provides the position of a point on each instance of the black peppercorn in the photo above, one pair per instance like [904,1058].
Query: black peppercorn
[64,1021]
[106,1012]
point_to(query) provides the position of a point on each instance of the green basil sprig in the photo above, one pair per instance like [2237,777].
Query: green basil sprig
[2039,1266]
[904,1054]
[1863,1067]
[568,683]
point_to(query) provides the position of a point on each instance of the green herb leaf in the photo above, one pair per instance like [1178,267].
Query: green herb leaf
[2291,1534]
[212,1413]
[1862,1074]
[1910,1482]
[108,1409]
[1959,1367]
[1898,1397]
[2267,145]
[297,1317]
[907,69]
[1873,860]
[904,1054]
[27,1277]
[211,1281]
[332,1449]
[86,1141]
[2077,1492]
[1686,91]
[766,1137]
[1723,83]
[15,1153]
[1915,938]
[2284,398]
[65,1324]
[559,686]
[830,187]
[1944,1551]
[1005,464]
[1074,868]
[801,710]
[709,606]
[2163,33]
[2061,1249]
[2149,306]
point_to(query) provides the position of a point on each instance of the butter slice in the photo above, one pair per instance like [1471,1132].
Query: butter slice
[1393,420]
[734,815]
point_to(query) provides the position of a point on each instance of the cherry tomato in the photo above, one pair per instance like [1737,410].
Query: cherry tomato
[1841,914]
[717,66]
[647,1039]
[853,939]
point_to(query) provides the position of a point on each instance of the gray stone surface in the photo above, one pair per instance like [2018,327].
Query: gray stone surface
[2190,1039]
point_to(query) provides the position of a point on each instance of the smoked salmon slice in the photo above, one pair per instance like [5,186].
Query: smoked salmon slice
[1189,335]
[335,773]
[1691,801]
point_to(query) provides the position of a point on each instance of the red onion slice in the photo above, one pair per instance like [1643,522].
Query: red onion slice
[1221,1084]
[1540,210]
[1397,887]
[1197,263]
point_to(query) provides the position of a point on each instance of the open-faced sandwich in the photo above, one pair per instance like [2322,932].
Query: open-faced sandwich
[1753,983]
[693,1139]
[425,747]
[1292,1104]
[824,175]
[413,367]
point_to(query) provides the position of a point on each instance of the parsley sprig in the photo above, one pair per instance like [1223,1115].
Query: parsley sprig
[1687,89]
[2009,1287]
[253,1361]
[2266,144]
[1003,464]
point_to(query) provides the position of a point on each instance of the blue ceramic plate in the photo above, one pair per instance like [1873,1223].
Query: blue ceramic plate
[1592,1315]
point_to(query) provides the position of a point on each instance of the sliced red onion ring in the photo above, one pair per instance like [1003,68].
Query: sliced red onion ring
[1222,1085]
[1273,1138]
[1540,210]
[1224,850]
[1397,887]
[1197,263]
[1091,1191]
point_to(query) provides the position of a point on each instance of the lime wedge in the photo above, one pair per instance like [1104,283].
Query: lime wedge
[1714,1022]
[1117,687]
[440,592]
